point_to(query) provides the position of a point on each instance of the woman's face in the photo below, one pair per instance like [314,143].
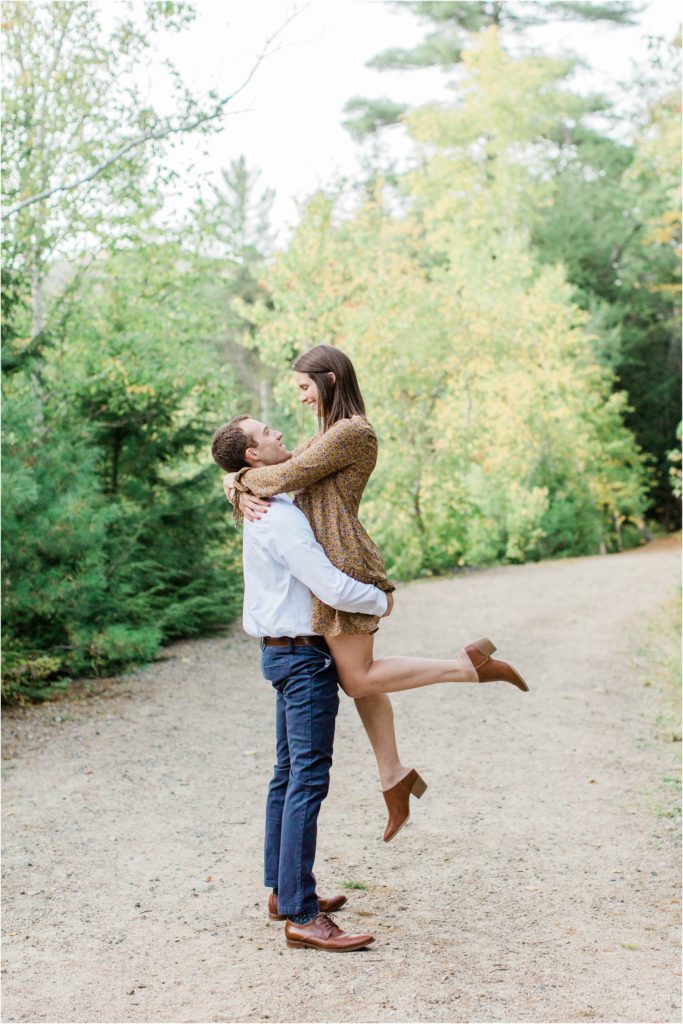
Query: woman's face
[308,392]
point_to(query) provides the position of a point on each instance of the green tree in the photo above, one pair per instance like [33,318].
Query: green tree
[114,532]
[114,527]
[233,228]
[500,436]
[608,212]
[613,219]
[451,27]
[82,145]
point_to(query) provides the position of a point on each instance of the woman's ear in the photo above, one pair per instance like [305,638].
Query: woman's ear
[332,376]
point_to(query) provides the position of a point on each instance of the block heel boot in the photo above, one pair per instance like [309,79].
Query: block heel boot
[490,670]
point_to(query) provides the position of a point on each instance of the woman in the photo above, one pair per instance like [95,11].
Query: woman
[329,473]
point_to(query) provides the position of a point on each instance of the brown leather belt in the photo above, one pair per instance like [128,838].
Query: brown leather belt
[284,641]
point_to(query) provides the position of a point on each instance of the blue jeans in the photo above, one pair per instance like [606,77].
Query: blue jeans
[307,701]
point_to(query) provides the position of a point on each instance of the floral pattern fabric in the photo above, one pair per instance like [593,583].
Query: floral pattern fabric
[328,474]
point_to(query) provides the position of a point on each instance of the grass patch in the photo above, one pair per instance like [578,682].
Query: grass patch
[662,648]
[350,884]
[671,811]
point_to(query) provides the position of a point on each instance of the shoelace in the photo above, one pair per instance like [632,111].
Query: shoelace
[330,924]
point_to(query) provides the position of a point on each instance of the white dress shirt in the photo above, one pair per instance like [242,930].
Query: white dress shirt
[283,563]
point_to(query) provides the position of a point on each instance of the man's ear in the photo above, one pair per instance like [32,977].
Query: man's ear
[251,455]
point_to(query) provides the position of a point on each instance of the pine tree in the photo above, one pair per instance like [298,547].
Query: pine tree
[451,26]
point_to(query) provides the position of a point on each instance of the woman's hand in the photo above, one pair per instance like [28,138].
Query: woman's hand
[229,487]
[252,508]
[390,604]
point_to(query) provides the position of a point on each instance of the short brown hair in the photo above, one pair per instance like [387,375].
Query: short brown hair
[229,445]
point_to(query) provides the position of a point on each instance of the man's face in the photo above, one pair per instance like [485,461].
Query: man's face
[268,449]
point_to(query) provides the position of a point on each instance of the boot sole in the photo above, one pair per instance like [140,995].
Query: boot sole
[294,944]
[394,834]
[487,648]
[418,789]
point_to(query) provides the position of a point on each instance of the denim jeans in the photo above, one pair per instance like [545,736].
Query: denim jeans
[307,702]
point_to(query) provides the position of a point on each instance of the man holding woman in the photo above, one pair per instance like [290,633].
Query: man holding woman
[329,474]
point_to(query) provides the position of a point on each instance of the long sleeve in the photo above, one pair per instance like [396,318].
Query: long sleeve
[294,543]
[332,451]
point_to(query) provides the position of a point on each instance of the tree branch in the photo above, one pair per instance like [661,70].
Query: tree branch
[154,134]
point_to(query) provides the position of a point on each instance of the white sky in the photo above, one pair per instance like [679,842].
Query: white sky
[288,121]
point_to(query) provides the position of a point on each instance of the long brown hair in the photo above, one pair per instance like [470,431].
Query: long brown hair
[337,399]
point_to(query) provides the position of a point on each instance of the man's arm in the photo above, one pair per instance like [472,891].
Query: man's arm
[295,543]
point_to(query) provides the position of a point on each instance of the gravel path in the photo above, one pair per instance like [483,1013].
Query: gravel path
[538,879]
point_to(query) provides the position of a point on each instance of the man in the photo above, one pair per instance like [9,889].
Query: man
[283,563]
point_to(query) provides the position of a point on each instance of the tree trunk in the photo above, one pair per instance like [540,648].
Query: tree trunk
[116,455]
[36,329]
[36,297]
[263,399]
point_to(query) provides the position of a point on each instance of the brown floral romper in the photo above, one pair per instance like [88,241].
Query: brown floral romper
[329,473]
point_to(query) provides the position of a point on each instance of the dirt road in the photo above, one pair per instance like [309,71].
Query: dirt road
[538,879]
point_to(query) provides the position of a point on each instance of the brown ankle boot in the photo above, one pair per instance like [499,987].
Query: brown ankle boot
[488,669]
[398,802]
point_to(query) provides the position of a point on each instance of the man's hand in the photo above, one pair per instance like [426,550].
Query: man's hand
[390,604]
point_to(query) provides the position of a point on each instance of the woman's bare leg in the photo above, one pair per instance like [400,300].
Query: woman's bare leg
[377,716]
[362,676]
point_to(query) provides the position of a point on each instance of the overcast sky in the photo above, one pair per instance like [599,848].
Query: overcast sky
[288,121]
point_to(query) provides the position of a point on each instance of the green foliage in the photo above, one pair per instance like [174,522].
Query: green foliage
[609,211]
[674,459]
[232,226]
[453,24]
[612,217]
[114,352]
[511,305]
[29,677]
[364,117]
[114,527]
[501,437]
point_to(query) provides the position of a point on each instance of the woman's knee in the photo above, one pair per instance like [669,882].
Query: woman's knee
[355,687]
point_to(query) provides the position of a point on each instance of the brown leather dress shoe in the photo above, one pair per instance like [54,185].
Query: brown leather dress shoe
[488,669]
[326,906]
[323,933]
[398,802]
